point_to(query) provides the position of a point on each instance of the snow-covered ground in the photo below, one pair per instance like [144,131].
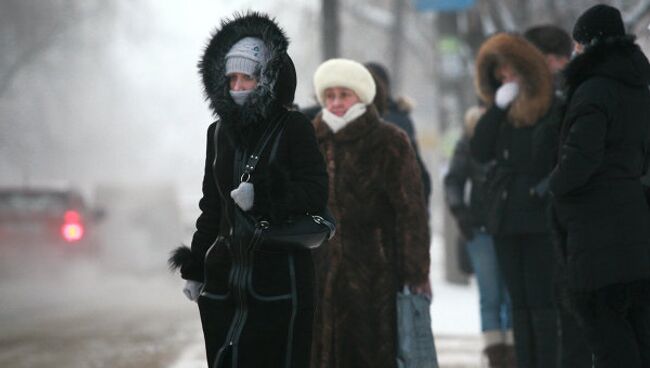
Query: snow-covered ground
[454,315]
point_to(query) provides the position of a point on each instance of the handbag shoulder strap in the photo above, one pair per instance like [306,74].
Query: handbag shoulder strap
[253,159]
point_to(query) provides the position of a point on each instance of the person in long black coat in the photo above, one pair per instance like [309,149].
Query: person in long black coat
[517,131]
[256,304]
[599,200]
[557,46]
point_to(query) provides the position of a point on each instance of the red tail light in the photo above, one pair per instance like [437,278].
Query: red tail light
[72,229]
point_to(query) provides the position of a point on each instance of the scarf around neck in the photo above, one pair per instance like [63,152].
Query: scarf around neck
[336,123]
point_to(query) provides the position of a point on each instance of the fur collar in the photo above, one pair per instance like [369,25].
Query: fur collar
[355,130]
[277,82]
[616,58]
[536,89]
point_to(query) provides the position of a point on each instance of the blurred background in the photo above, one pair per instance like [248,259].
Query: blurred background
[103,121]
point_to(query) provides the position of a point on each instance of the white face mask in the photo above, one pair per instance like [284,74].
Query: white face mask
[577,50]
[240,97]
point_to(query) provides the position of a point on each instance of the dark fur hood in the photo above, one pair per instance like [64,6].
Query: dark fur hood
[619,58]
[277,84]
[536,89]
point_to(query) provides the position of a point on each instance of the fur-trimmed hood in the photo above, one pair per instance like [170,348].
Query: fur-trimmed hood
[618,58]
[536,86]
[277,84]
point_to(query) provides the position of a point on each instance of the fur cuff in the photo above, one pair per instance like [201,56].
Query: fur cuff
[184,260]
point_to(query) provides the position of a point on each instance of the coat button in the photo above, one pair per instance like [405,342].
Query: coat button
[506,154]
[504,195]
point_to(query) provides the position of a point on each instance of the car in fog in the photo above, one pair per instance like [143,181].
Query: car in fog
[53,218]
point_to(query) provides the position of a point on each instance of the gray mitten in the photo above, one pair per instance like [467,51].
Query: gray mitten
[192,289]
[243,195]
[506,94]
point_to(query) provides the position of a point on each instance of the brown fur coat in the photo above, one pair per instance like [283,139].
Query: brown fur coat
[382,242]
[536,84]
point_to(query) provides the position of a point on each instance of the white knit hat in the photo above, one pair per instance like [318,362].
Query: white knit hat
[344,73]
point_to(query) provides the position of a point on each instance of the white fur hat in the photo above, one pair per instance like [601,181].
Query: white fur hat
[344,73]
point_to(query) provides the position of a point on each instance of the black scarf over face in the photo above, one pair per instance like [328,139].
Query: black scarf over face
[618,58]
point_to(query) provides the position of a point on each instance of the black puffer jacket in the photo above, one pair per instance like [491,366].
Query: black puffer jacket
[522,140]
[598,195]
[257,304]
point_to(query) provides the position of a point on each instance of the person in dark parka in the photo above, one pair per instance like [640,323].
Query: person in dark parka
[517,131]
[598,196]
[398,113]
[557,46]
[494,301]
[256,304]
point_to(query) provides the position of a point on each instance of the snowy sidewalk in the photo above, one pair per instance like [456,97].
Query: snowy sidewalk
[454,316]
[454,351]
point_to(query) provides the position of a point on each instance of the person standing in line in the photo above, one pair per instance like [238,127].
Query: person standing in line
[517,133]
[556,45]
[496,324]
[573,351]
[597,191]
[256,303]
[382,238]
[398,112]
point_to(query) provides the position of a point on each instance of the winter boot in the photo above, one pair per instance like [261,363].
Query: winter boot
[495,355]
[509,356]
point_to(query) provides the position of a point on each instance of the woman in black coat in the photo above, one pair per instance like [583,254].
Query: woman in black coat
[256,303]
[518,132]
[598,196]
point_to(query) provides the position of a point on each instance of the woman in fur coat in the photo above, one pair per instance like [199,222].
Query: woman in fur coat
[519,132]
[256,304]
[382,238]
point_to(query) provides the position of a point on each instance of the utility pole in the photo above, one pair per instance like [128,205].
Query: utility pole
[396,42]
[330,29]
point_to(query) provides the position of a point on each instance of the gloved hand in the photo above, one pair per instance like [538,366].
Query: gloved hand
[192,289]
[243,195]
[506,94]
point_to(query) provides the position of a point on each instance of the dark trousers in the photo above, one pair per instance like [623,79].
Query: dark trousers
[527,264]
[573,350]
[616,321]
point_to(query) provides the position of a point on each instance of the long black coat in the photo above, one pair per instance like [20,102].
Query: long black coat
[256,304]
[596,185]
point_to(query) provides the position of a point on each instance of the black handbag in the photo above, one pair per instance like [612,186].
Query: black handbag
[304,231]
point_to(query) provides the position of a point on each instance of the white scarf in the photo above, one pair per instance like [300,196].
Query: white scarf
[337,123]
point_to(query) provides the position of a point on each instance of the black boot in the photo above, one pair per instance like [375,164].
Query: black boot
[495,355]
[509,356]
